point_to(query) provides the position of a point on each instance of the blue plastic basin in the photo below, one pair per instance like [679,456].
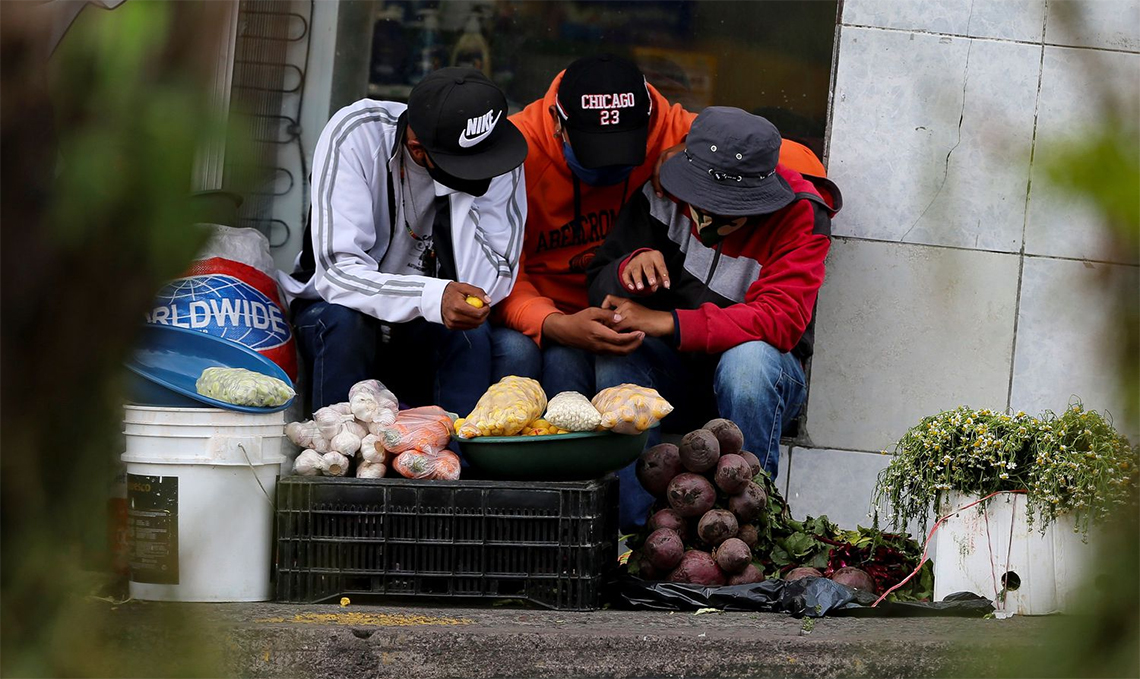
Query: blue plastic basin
[169,360]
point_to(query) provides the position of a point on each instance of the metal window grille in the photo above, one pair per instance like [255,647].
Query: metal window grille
[263,75]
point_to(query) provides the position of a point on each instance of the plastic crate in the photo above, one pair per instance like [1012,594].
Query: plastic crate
[546,543]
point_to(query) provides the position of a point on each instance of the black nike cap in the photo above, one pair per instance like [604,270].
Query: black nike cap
[460,117]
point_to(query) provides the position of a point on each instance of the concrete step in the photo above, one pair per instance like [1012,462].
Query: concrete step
[278,640]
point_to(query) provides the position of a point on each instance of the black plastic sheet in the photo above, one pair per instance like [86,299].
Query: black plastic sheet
[811,597]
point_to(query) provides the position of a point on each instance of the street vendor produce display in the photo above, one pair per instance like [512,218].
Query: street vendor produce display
[369,435]
[514,406]
[719,520]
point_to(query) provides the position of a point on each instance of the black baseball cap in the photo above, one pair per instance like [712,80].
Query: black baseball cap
[728,167]
[604,105]
[460,117]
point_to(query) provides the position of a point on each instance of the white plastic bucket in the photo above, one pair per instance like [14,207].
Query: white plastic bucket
[986,547]
[200,489]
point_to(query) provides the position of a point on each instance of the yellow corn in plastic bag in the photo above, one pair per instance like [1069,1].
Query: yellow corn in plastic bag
[507,407]
[630,409]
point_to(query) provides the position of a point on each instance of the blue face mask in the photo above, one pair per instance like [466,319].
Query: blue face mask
[596,176]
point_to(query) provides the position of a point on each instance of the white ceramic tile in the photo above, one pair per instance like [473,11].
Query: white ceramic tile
[1107,24]
[783,471]
[899,113]
[906,331]
[1060,224]
[1007,19]
[838,483]
[939,16]
[1001,19]
[1070,336]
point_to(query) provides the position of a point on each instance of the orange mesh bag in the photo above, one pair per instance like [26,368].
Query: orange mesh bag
[442,466]
[426,429]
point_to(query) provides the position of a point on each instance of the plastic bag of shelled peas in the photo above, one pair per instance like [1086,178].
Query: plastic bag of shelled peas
[507,407]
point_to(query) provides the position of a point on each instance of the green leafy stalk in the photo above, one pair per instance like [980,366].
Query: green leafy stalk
[1073,463]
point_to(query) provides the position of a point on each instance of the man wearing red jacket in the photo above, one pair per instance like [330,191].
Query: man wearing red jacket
[726,268]
[594,140]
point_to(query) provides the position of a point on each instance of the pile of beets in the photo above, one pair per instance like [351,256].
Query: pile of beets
[704,527]
[706,533]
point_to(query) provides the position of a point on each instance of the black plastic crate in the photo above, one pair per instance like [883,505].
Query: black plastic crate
[547,543]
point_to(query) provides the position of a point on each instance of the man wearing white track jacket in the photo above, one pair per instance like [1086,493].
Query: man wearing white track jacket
[415,231]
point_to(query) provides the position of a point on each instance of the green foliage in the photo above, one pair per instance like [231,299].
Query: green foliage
[99,153]
[1075,462]
[818,543]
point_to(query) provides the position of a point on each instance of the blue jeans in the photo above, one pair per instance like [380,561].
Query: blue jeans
[558,368]
[422,363]
[753,384]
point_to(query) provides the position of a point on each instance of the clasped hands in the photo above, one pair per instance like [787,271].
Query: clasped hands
[620,325]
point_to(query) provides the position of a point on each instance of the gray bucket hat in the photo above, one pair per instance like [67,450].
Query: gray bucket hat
[729,165]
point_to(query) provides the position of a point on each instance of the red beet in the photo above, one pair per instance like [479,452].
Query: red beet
[697,568]
[749,534]
[690,495]
[664,548]
[749,503]
[733,473]
[716,526]
[657,466]
[732,555]
[802,572]
[749,575]
[753,462]
[727,434]
[699,451]
[854,578]
[645,569]
[666,518]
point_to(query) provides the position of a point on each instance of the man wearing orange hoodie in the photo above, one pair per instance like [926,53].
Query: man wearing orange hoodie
[594,140]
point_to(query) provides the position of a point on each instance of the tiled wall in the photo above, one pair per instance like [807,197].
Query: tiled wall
[957,274]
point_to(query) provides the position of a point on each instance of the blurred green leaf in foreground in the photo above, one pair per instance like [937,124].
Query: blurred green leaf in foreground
[99,146]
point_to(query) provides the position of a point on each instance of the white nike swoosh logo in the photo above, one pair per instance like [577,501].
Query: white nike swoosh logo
[467,142]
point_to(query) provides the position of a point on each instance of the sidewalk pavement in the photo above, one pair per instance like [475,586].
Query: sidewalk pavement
[334,642]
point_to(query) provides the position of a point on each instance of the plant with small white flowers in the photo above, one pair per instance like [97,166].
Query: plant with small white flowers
[1074,462]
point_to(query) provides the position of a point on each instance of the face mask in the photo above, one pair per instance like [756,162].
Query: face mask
[474,187]
[596,176]
[712,229]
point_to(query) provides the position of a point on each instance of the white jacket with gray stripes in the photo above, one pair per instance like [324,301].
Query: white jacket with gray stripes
[361,261]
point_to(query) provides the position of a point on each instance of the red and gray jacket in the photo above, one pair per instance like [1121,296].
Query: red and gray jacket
[759,283]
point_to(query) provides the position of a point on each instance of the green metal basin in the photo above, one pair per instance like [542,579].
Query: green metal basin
[556,457]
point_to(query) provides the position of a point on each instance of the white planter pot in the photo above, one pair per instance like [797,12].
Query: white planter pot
[978,546]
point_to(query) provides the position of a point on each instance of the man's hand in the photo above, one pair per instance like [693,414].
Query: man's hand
[457,313]
[588,330]
[665,155]
[629,316]
[646,270]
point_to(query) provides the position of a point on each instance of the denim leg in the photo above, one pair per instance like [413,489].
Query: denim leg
[762,391]
[654,364]
[462,365]
[513,353]
[567,369]
[338,345]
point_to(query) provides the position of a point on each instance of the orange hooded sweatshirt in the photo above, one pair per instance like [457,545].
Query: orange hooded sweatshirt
[559,240]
